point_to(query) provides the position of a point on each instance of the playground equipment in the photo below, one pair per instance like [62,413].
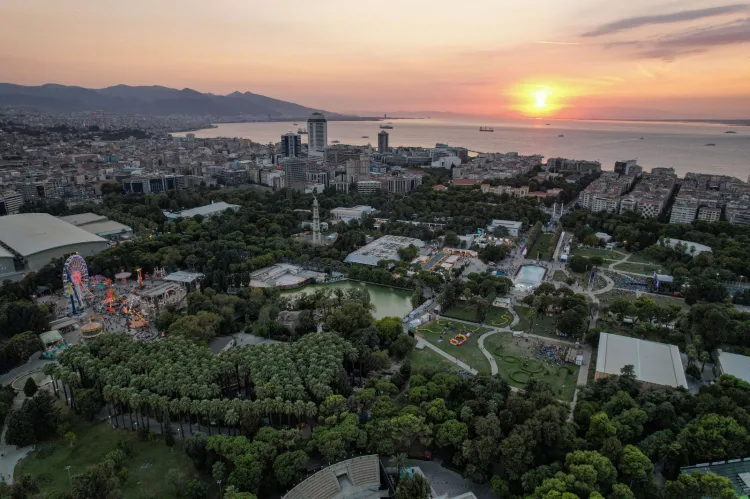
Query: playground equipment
[458,340]
[75,279]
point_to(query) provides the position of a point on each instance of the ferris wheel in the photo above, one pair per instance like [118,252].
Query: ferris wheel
[75,279]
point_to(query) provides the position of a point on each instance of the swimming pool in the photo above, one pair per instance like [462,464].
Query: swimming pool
[529,276]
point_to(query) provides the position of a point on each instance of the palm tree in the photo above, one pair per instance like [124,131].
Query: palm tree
[185,406]
[399,462]
[232,418]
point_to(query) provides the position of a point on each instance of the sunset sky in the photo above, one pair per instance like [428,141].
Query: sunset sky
[551,58]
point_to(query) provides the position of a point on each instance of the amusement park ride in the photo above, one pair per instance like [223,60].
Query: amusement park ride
[78,289]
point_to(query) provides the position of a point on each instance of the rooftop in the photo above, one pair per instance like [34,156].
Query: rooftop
[209,209]
[384,248]
[83,219]
[737,470]
[735,365]
[106,227]
[656,363]
[31,233]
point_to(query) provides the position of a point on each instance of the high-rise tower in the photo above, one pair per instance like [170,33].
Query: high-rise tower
[317,134]
[383,142]
[316,223]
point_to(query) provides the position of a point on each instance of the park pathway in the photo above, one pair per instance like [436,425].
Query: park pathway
[10,453]
[459,363]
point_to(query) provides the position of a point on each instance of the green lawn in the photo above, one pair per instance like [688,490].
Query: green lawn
[543,325]
[147,466]
[638,268]
[661,300]
[439,334]
[604,253]
[559,275]
[463,312]
[641,257]
[426,357]
[498,317]
[517,363]
[541,247]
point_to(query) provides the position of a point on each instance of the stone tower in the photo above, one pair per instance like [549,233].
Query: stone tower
[316,223]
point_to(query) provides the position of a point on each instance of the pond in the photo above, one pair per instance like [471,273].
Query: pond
[530,276]
[389,302]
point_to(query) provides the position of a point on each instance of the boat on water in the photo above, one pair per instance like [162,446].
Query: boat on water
[546,124]
[561,135]
[301,131]
[711,145]
[730,131]
[641,138]
[365,136]
[387,126]
[486,129]
[335,142]
[295,124]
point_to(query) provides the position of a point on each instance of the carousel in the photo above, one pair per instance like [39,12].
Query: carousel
[91,330]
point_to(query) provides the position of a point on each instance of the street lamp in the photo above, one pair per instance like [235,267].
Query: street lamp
[219,482]
[69,478]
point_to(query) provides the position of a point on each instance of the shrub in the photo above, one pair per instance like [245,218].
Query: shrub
[30,388]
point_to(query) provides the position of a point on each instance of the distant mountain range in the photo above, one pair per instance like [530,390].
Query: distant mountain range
[154,100]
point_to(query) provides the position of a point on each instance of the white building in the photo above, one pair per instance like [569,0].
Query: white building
[512,227]
[683,211]
[447,162]
[369,186]
[10,202]
[654,363]
[354,213]
[317,134]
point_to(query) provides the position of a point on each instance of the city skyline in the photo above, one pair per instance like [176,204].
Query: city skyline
[661,59]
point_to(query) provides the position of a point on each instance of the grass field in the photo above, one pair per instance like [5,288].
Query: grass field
[604,253]
[661,300]
[440,332]
[641,257]
[638,268]
[463,312]
[516,362]
[541,247]
[426,357]
[147,466]
[559,275]
[497,317]
[543,325]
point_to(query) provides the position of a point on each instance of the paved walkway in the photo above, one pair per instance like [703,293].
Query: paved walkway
[459,363]
[10,453]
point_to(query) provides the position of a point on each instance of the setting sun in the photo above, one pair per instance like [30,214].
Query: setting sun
[540,99]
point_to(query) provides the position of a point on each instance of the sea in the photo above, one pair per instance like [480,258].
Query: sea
[680,145]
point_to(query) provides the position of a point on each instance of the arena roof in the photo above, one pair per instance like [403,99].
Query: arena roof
[384,248]
[83,219]
[656,363]
[209,209]
[106,227]
[31,233]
